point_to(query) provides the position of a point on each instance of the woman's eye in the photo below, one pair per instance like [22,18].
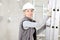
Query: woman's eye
[27,10]
[31,10]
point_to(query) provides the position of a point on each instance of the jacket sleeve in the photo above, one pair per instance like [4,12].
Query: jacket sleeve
[27,24]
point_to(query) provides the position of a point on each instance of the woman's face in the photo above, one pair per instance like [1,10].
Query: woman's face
[28,13]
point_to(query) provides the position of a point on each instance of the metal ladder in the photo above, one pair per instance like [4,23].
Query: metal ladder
[52,31]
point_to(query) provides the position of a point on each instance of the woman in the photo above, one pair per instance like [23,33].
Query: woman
[28,25]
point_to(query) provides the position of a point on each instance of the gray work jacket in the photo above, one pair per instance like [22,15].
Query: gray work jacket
[27,34]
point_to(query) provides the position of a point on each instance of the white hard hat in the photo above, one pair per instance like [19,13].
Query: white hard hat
[28,6]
